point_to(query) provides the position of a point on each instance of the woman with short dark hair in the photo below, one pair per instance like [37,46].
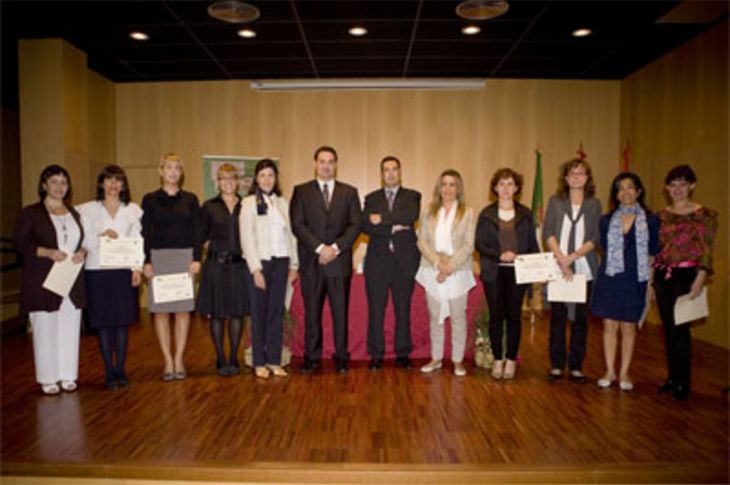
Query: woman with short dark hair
[112,215]
[686,236]
[504,230]
[48,232]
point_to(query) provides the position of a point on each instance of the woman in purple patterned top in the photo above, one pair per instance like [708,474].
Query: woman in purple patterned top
[687,231]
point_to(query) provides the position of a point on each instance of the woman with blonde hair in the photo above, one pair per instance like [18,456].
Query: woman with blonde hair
[505,229]
[171,231]
[223,293]
[446,242]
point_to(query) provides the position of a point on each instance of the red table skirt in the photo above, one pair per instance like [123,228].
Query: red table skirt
[358,322]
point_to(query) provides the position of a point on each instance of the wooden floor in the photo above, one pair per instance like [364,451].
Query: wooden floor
[392,426]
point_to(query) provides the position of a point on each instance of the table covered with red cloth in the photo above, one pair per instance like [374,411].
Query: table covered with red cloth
[358,330]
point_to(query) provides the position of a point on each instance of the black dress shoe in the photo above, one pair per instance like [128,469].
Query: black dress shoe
[341,366]
[680,393]
[668,386]
[308,366]
[122,381]
[375,364]
[404,363]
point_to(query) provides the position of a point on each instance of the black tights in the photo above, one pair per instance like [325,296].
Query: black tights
[217,331]
[113,340]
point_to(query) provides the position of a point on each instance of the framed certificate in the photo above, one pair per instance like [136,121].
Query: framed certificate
[122,252]
[172,287]
[535,268]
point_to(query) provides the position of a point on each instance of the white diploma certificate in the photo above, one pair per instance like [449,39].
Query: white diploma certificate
[573,291]
[122,252]
[172,287]
[686,310]
[62,276]
[535,268]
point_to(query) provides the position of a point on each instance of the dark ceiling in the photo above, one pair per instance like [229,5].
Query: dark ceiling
[309,39]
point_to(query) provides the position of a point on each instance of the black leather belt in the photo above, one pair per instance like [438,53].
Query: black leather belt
[224,257]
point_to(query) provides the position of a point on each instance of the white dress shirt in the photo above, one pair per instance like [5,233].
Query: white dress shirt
[127,222]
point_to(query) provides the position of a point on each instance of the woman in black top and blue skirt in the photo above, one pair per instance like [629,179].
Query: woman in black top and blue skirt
[223,292]
[171,231]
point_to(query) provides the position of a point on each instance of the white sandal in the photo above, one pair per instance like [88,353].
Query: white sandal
[50,389]
[69,386]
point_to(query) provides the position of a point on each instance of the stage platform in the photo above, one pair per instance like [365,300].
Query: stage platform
[391,426]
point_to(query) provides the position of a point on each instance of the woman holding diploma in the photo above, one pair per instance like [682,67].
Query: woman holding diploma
[171,231]
[111,293]
[223,293]
[505,229]
[446,242]
[630,237]
[687,231]
[571,232]
[271,253]
[47,233]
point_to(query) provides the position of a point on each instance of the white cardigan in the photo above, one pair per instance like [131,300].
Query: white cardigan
[254,231]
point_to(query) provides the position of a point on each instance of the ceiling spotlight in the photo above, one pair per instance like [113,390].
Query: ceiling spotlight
[247,33]
[582,32]
[357,31]
[471,30]
[481,9]
[139,35]
[234,12]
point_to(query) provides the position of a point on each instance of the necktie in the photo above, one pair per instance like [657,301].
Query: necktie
[391,198]
[326,195]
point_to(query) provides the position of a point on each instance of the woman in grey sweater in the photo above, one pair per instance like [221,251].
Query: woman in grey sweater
[571,233]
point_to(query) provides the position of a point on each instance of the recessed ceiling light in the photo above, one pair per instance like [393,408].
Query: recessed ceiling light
[357,31]
[247,33]
[481,9]
[139,35]
[471,30]
[582,32]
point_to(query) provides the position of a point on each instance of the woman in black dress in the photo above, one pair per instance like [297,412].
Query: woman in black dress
[223,291]
[171,231]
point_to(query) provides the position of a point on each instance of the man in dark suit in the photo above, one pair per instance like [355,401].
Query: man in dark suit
[325,218]
[391,261]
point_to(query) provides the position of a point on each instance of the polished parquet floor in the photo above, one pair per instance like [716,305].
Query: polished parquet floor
[392,426]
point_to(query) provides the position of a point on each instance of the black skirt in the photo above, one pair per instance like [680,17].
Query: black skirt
[111,299]
[223,291]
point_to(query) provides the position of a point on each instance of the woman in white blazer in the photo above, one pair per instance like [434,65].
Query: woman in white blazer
[269,248]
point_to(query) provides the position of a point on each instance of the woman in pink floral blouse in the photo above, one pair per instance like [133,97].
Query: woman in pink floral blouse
[682,266]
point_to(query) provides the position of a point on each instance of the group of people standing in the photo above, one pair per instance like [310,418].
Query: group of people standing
[257,245]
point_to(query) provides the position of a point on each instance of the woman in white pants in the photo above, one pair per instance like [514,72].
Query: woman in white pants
[446,242]
[48,232]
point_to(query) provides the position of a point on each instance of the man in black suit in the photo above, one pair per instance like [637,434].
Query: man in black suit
[325,218]
[391,261]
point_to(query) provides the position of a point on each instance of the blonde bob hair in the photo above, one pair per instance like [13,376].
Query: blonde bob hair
[171,157]
[437,202]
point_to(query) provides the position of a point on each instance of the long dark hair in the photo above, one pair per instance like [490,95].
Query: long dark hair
[49,172]
[261,165]
[616,184]
[113,172]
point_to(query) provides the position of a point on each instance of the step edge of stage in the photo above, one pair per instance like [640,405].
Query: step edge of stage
[264,472]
